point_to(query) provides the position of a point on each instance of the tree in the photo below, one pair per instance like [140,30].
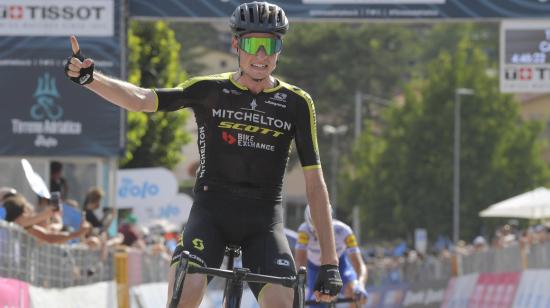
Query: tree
[332,61]
[154,139]
[402,178]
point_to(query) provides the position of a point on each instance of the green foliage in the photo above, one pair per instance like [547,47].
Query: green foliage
[154,139]
[331,61]
[402,178]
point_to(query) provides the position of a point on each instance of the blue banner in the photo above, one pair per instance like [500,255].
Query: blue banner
[44,113]
[349,9]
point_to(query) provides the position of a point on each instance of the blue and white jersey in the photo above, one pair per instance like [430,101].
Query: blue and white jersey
[343,236]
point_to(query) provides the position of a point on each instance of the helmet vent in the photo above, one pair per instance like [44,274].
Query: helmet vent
[251,14]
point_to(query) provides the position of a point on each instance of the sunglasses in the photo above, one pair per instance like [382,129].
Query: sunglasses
[251,45]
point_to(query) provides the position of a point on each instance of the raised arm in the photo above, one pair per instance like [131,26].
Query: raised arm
[118,92]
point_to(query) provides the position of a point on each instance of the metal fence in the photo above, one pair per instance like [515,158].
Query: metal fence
[58,266]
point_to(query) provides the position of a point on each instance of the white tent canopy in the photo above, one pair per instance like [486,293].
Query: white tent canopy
[534,204]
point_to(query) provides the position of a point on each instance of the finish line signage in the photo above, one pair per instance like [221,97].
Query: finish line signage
[351,9]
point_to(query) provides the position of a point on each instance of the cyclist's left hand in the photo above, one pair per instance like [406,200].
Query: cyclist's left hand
[360,293]
[328,283]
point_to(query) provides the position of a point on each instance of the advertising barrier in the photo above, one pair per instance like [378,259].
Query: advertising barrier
[534,289]
[495,290]
[44,113]
[14,293]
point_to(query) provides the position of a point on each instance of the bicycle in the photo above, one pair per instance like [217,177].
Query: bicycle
[235,278]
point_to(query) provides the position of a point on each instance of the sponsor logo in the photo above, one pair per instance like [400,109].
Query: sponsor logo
[56,17]
[351,241]
[303,238]
[275,104]
[251,117]
[202,152]
[84,78]
[234,92]
[198,259]
[253,104]
[228,138]
[46,115]
[281,97]
[524,73]
[283,262]
[250,128]
[247,141]
[198,244]
[51,12]
[130,189]
[45,94]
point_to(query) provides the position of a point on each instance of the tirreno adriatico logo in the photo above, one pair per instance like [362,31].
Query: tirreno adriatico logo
[45,95]
[46,121]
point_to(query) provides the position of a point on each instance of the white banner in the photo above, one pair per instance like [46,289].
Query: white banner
[57,18]
[101,294]
[173,213]
[145,187]
[459,291]
[534,289]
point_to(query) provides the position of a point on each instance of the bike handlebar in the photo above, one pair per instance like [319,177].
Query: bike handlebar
[244,275]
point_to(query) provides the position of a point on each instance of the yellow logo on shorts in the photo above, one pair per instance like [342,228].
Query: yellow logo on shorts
[198,244]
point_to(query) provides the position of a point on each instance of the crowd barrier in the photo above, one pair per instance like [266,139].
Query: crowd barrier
[33,272]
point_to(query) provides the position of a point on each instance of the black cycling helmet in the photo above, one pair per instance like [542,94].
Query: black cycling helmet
[262,17]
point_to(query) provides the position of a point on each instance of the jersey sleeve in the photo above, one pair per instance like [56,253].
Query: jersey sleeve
[303,238]
[187,94]
[306,134]
[350,240]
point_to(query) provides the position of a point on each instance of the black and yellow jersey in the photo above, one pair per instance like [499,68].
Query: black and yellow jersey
[244,138]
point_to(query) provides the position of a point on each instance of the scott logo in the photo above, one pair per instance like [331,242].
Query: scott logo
[129,189]
[45,106]
[228,138]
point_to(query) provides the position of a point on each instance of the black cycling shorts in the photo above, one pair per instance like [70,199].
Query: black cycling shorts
[218,219]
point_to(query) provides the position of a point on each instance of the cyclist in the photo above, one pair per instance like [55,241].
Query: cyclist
[246,121]
[354,275]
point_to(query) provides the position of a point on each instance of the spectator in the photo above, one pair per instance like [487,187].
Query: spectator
[132,236]
[91,203]
[6,192]
[480,244]
[18,209]
[57,181]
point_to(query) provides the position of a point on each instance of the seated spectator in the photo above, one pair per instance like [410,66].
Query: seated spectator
[18,209]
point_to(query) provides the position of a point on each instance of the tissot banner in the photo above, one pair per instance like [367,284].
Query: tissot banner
[361,9]
[43,113]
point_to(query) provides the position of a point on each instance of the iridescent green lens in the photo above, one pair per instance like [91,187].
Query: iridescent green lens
[251,45]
